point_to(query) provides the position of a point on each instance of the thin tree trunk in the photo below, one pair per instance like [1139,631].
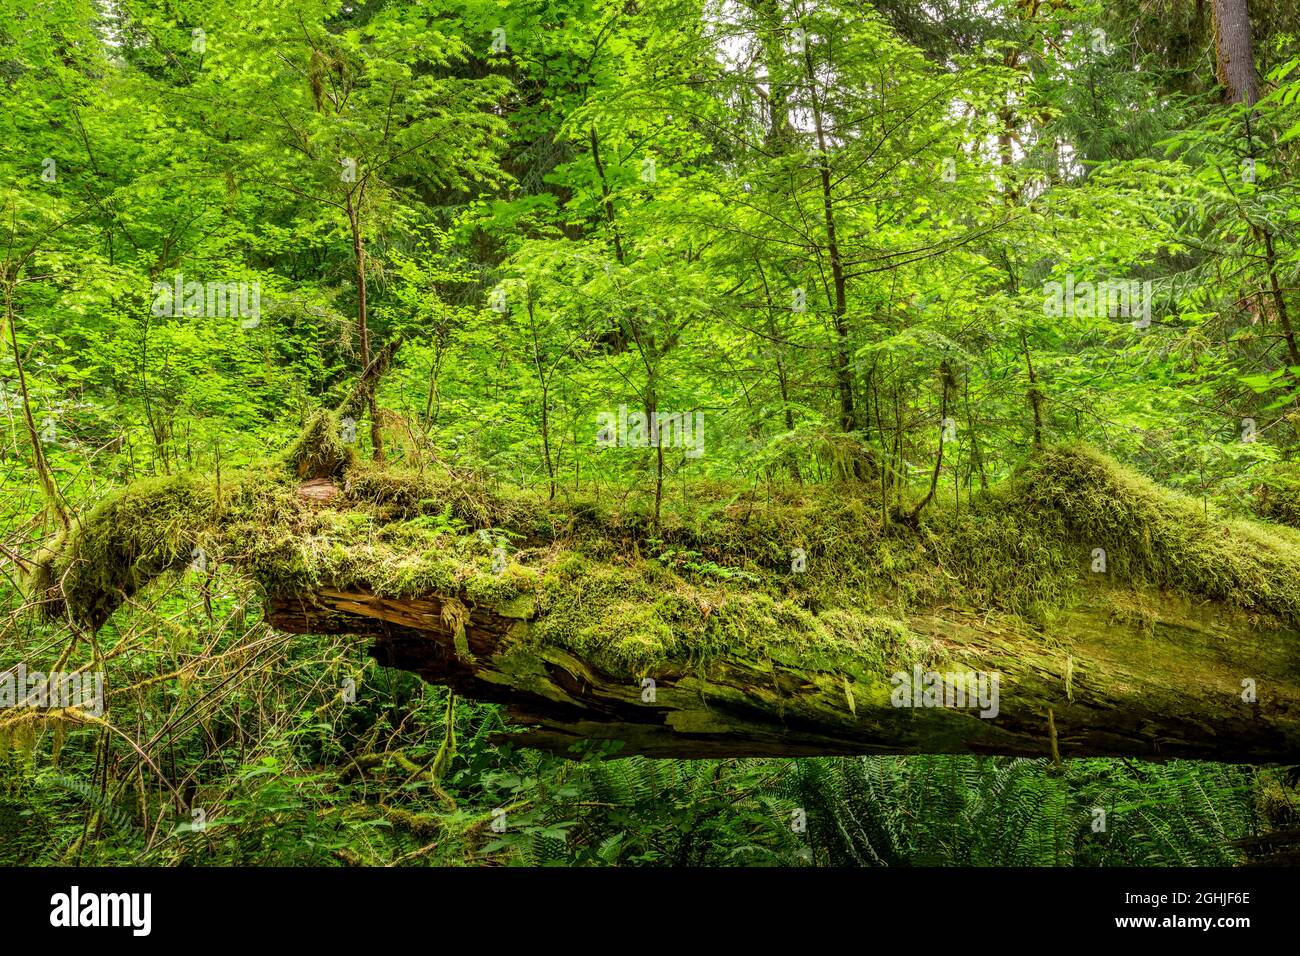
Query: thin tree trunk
[1035,396]
[606,201]
[839,281]
[48,486]
[1279,302]
[773,334]
[945,373]
[363,328]
[544,383]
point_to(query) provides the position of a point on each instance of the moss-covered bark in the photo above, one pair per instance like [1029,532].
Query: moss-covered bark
[1118,617]
[1167,682]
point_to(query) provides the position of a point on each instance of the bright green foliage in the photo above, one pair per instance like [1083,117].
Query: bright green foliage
[828,229]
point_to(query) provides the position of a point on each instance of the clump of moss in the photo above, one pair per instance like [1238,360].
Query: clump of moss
[1153,535]
[43,578]
[634,617]
[1276,802]
[403,493]
[319,450]
[885,643]
[162,524]
[157,525]
[130,538]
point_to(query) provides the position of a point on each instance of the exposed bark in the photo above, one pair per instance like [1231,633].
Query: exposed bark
[1007,133]
[1235,63]
[1236,71]
[318,489]
[1161,685]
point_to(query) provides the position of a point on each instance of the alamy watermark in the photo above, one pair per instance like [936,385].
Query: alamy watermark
[1095,300]
[212,300]
[75,908]
[657,429]
[57,689]
[957,689]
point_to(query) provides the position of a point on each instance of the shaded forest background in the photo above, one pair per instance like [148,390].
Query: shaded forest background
[827,229]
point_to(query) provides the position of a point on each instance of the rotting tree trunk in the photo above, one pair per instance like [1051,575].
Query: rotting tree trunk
[1166,681]
[585,641]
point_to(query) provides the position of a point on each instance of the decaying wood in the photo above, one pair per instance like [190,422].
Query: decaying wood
[1174,680]
[320,490]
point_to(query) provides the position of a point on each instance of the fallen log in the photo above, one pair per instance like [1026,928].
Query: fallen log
[1175,685]
[1079,610]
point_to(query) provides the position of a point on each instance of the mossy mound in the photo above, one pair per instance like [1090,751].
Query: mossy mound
[1153,535]
[403,493]
[158,525]
[631,617]
[320,451]
[129,539]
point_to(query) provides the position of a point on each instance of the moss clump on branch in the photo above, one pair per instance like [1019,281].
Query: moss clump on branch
[129,539]
[158,525]
[809,578]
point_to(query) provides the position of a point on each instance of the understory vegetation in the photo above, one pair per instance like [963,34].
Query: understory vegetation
[689,332]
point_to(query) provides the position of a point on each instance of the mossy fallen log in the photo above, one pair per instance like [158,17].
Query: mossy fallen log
[1101,686]
[1080,609]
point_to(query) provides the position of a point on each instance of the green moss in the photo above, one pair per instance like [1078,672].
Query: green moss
[493,589]
[168,524]
[404,494]
[1153,535]
[319,451]
[406,575]
[715,586]
[129,539]
[635,618]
